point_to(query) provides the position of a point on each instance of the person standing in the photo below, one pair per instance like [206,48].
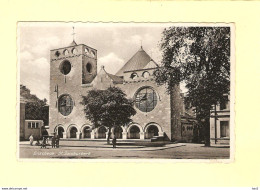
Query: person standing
[43,142]
[57,141]
[53,142]
[31,139]
[114,142]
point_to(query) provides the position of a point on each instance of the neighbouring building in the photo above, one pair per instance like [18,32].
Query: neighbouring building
[220,123]
[73,72]
[29,126]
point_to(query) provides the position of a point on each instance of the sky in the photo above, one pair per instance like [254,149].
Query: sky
[115,44]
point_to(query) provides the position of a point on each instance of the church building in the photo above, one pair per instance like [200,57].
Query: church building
[73,72]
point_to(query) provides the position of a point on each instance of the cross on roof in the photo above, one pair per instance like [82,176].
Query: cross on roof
[73,33]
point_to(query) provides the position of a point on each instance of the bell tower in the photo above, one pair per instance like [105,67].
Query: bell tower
[72,69]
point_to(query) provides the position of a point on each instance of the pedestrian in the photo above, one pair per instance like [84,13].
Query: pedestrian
[31,139]
[57,141]
[53,142]
[114,142]
[43,142]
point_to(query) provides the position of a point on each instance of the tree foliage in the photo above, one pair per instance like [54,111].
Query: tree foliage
[200,57]
[109,108]
[35,108]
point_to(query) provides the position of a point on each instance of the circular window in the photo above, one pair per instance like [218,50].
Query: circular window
[146,99]
[66,52]
[74,51]
[89,67]
[146,74]
[65,105]
[65,67]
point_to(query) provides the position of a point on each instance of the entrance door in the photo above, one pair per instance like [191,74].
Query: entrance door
[86,132]
[73,132]
[60,132]
[152,131]
[134,132]
[102,133]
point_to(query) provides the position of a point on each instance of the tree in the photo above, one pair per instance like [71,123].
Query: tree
[109,108]
[199,57]
[35,108]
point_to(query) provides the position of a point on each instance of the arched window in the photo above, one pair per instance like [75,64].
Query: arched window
[57,53]
[65,52]
[74,51]
[146,99]
[133,76]
[65,105]
[65,67]
[146,74]
[89,67]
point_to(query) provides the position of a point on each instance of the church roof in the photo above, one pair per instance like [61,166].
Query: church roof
[73,43]
[137,62]
[115,79]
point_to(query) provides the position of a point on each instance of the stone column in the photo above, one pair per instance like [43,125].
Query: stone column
[64,135]
[124,135]
[161,133]
[78,135]
[92,134]
[141,135]
[107,135]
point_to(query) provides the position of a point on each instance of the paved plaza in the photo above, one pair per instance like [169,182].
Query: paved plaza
[124,150]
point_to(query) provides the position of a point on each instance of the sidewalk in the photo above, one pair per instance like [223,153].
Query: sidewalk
[103,146]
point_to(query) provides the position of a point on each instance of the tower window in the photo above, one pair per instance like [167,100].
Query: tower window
[89,67]
[74,51]
[93,53]
[65,52]
[65,105]
[57,53]
[86,50]
[65,67]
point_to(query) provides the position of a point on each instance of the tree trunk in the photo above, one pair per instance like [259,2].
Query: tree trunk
[108,135]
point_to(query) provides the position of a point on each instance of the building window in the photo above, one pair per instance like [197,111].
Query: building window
[146,74]
[65,67]
[57,53]
[65,105]
[224,128]
[29,125]
[146,99]
[223,103]
[33,125]
[133,76]
[89,67]
[65,52]
[74,51]
[37,125]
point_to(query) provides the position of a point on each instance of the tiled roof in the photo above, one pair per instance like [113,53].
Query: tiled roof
[137,62]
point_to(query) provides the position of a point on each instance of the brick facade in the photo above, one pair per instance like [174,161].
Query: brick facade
[166,116]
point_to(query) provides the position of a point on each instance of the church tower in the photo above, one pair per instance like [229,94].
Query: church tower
[72,69]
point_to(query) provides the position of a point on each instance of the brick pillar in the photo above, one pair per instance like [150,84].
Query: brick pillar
[141,135]
[124,135]
[92,134]
[64,135]
[78,135]
[161,133]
